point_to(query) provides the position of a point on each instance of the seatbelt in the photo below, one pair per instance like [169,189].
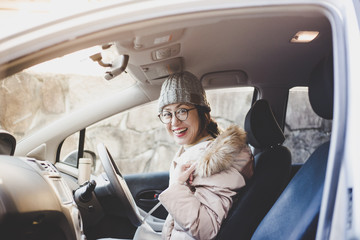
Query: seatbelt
[151,211]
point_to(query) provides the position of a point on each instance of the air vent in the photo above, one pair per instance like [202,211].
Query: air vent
[48,167]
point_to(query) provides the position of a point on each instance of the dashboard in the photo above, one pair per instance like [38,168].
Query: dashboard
[36,202]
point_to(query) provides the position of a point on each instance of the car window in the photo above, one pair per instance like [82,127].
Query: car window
[304,130]
[138,141]
[42,94]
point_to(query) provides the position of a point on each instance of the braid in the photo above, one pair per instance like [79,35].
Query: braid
[212,128]
[206,122]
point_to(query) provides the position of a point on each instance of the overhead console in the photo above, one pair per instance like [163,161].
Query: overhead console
[159,53]
[36,202]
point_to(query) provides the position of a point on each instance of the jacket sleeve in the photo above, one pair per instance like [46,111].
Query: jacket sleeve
[192,212]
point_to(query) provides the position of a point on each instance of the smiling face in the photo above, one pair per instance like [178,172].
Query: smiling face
[184,132]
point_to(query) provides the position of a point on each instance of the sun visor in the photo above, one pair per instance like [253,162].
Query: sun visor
[156,73]
[233,78]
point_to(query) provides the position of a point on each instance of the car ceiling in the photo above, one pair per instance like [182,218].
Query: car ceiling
[257,43]
[253,41]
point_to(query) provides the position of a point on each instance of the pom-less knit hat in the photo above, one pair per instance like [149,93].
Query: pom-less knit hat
[183,87]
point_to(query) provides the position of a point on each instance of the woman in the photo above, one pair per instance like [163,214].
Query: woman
[209,167]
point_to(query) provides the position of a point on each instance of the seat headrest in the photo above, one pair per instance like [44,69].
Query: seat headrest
[7,143]
[261,126]
[321,88]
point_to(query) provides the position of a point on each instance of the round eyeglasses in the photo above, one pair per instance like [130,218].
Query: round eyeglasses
[181,114]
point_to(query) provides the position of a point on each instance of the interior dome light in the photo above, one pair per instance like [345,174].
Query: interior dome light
[304,36]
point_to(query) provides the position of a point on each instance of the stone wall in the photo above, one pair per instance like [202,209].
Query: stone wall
[304,130]
[29,100]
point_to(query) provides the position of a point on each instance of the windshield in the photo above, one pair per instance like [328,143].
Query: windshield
[42,94]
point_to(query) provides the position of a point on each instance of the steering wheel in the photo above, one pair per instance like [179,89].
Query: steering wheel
[119,185]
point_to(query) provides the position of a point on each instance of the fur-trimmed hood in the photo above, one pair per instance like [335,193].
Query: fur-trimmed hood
[221,154]
[228,150]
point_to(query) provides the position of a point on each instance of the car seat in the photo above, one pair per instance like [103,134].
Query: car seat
[7,143]
[272,173]
[295,214]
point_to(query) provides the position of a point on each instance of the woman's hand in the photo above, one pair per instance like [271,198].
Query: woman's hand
[183,173]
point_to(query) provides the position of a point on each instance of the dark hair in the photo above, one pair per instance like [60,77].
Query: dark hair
[206,122]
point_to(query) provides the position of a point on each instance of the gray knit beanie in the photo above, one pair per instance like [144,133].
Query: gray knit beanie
[183,87]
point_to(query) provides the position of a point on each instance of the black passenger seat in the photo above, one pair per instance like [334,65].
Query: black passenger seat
[271,174]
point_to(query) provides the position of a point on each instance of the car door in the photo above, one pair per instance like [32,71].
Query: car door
[340,203]
[146,188]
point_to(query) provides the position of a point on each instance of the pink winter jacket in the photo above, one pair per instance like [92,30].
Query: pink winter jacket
[197,211]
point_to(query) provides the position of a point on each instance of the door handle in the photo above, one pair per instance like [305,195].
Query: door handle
[149,196]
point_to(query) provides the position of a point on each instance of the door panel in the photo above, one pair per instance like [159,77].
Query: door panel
[146,188]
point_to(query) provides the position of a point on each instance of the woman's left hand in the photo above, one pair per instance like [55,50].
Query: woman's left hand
[183,173]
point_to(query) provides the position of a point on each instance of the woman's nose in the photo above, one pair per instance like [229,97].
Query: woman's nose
[174,120]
